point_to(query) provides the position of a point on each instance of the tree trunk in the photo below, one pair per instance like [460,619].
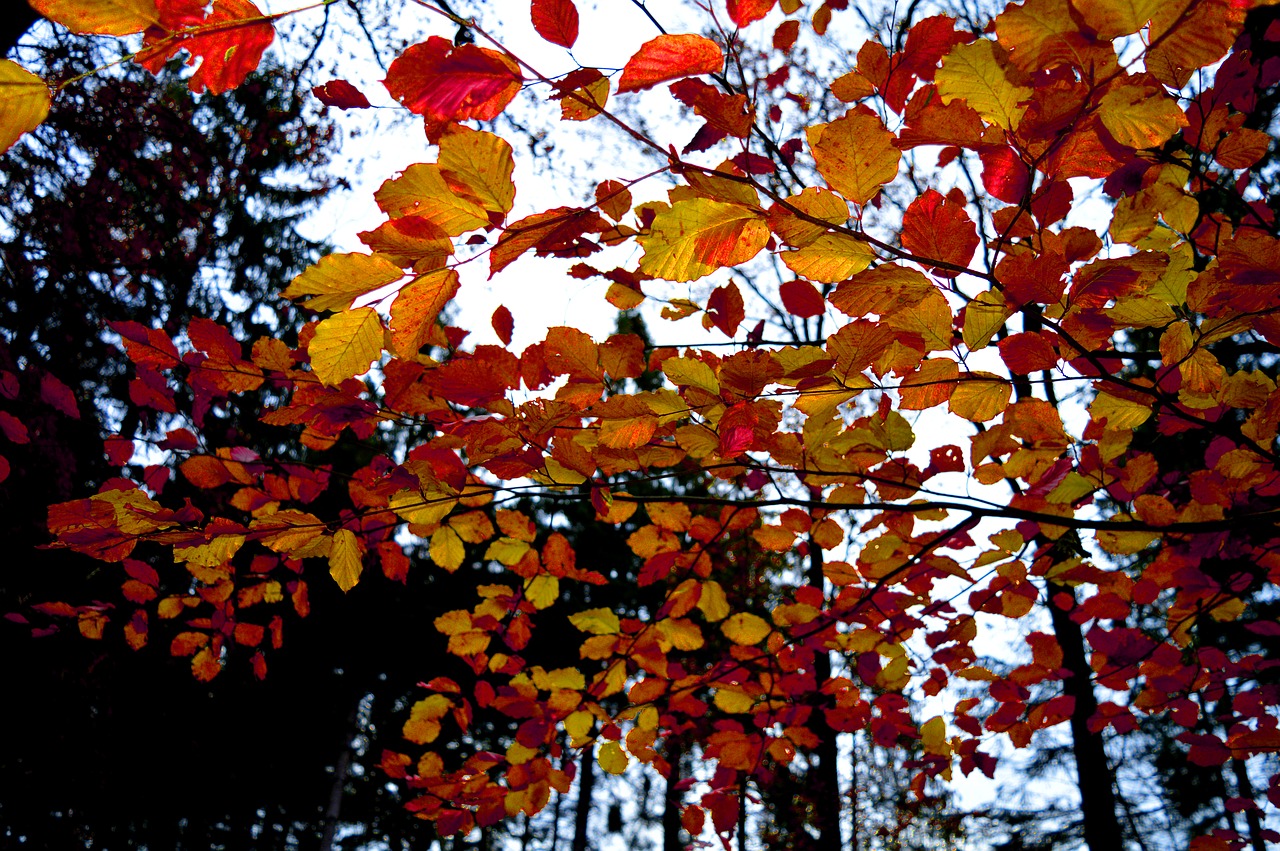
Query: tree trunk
[1102,830]
[825,787]
[586,786]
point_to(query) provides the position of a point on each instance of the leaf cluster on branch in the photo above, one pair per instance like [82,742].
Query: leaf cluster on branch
[972,428]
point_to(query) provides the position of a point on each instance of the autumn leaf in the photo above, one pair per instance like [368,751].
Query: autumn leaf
[937,228]
[855,155]
[417,307]
[670,57]
[443,83]
[556,21]
[346,559]
[339,279]
[972,72]
[24,103]
[745,628]
[477,166]
[100,17]
[228,42]
[422,190]
[694,238]
[341,94]
[744,12]
[346,344]
[596,621]
[1140,116]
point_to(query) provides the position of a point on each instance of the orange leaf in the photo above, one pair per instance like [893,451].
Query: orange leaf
[228,42]
[670,57]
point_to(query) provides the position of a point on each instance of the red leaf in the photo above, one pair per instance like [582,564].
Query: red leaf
[444,84]
[670,57]
[341,94]
[939,229]
[503,324]
[228,42]
[556,21]
[1004,174]
[1027,352]
[13,428]
[744,12]
[802,299]
[725,308]
[59,396]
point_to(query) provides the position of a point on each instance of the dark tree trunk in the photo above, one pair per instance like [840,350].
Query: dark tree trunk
[1102,830]
[586,786]
[825,787]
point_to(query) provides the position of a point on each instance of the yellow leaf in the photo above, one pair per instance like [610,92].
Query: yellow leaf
[24,102]
[597,622]
[691,372]
[982,319]
[100,17]
[1036,34]
[346,559]
[629,433]
[423,725]
[829,259]
[1125,543]
[454,622]
[421,190]
[478,166]
[473,527]
[855,154]
[346,344]
[680,633]
[1113,18]
[980,396]
[339,279]
[612,759]
[1140,116]
[818,203]
[972,73]
[447,550]
[216,552]
[933,736]
[578,725]
[745,628]
[595,93]
[712,602]
[774,538]
[542,590]
[695,237]
[416,308]
[1119,413]
[506,551]
[422,509]
[733,701]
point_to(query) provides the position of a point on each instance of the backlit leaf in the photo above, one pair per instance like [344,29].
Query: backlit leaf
[1140,116]
[421,190]
[416,308]
[556,21]
[829,259]
[101,17]
[24,103]
[228,42]
[670,57]
[745,628]
[855,154]
[339,279]
[980,396]
[694,238]
[346,345]
[346,559]
[972,72]
[612,759]
[596,621]
[477,165]
[443,83]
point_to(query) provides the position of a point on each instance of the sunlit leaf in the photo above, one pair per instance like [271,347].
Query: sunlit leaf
[669,57]
[24,103]
[346,344]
